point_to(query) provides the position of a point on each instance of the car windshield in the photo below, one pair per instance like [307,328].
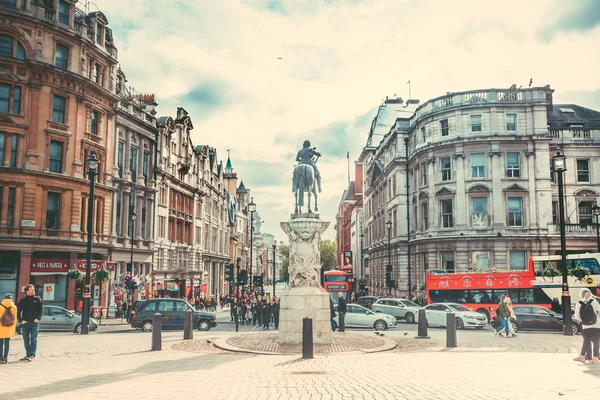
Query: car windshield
[409,303]
[458,307]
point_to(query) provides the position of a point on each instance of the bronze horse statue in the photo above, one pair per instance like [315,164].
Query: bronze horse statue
[304,181]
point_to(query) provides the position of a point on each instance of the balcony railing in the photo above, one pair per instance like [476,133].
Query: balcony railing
[586,229]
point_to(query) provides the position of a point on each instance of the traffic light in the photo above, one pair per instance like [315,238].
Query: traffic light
[243,277]
[255,280]
[388,276]
[229,272]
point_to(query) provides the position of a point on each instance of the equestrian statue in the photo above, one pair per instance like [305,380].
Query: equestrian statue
[306,178]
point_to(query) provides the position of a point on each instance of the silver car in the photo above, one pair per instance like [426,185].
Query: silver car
[56,319]
[401,309]
[361,317]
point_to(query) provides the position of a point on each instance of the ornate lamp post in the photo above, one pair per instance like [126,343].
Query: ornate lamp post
[362,260]
[596,210]
[132,216]
[559,166]
[251,210]
[274,280]
[92,163]
[388,270]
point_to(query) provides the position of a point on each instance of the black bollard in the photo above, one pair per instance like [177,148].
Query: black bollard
[422,325]
[307,338]
[451,330]
[188,327]
[156,332]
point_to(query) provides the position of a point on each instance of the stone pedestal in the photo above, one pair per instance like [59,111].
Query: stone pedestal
[305,297]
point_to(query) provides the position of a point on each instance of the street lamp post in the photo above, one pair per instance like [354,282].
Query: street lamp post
[388,224]
[85,312]
[133,217]
[596,210]
[274,280]
[362,260]
[559,166]
[251,210]
[238,295]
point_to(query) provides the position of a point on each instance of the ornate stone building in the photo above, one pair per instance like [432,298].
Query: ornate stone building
[57,93]
[480,192]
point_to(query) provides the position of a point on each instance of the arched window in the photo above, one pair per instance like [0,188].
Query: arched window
[11,48]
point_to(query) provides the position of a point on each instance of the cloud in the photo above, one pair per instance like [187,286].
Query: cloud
[570,16]
[340,58]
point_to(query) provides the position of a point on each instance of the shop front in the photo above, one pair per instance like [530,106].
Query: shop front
[9,267]
[49,275]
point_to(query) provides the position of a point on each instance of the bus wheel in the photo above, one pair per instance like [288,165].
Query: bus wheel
[410,318]
[483,311]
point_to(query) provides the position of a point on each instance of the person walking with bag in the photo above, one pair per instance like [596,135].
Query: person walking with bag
[8,325]
[29,315]
[503,314]
[587,311]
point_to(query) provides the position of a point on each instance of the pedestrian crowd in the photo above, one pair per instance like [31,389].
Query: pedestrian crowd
[28,313]
[254,309]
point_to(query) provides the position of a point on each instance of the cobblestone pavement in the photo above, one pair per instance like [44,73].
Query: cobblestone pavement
[119,366]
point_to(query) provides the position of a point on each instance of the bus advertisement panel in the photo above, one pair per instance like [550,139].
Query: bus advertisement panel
[583,272]
[480,291]
[335,282]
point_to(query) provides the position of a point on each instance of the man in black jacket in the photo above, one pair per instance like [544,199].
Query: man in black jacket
[259,310]
[342,308]
[29,312]
[276,307]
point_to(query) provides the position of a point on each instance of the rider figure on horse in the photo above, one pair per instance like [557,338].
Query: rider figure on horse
[305,156]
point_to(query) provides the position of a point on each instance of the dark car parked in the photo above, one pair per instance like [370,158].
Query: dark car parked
[367,301]
[172,313]
[537,318]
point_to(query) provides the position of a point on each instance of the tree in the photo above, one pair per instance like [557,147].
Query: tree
[328,254]
[285,263]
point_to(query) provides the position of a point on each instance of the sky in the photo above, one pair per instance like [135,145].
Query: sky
[258,77]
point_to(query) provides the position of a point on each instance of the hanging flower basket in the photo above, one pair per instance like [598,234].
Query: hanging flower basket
[74,274]
[580,273]
[100,276]
[551,273]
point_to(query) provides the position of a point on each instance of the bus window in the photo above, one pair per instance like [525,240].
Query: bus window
[590,263]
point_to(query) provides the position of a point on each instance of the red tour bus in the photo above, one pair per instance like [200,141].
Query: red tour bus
[336,281]
[481,290]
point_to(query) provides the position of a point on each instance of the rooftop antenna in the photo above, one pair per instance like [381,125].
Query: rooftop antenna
[530,82]
[408,88]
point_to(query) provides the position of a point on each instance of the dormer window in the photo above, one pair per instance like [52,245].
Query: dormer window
[64,9]
[99,29]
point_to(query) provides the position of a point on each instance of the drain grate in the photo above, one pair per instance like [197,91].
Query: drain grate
[308,373]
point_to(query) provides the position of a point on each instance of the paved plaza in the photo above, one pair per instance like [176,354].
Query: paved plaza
[119,366]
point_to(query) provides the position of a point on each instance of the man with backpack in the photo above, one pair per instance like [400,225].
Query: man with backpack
[587,311]
[8,325]
[29,315]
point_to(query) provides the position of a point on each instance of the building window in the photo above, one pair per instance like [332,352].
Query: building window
[555,212]
[515,211]
[63,12]
[10,48]
[98,33]
[551,172]
[423,136]
[53,211]
[447,217]
[511,122]
[130,223]
[120,159]
[479,216]
[475,123]
[424,174]
[143,221]
[145,167]
[14,147]
[448,261]
[477,166]
[446,169]
[444,127]
[94,123]
[583,170]
[585,212]
[62,56]
[518,260]
[96,73]
[133,163]
[2,147]
[10,95]
[118,218]
[513,165]
[162,223]
[58,109]
[10,215]
[56,155]
[425,215]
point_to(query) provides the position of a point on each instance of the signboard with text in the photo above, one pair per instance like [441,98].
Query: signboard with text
[49,265]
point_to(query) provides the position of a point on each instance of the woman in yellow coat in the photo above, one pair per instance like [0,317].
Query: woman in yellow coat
[7,331]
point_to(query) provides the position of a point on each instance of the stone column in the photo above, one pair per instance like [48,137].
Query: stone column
[31,155]
[305,297]
[24,271]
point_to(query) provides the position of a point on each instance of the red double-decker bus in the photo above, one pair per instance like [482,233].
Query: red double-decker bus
[481,290]
[334,282]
